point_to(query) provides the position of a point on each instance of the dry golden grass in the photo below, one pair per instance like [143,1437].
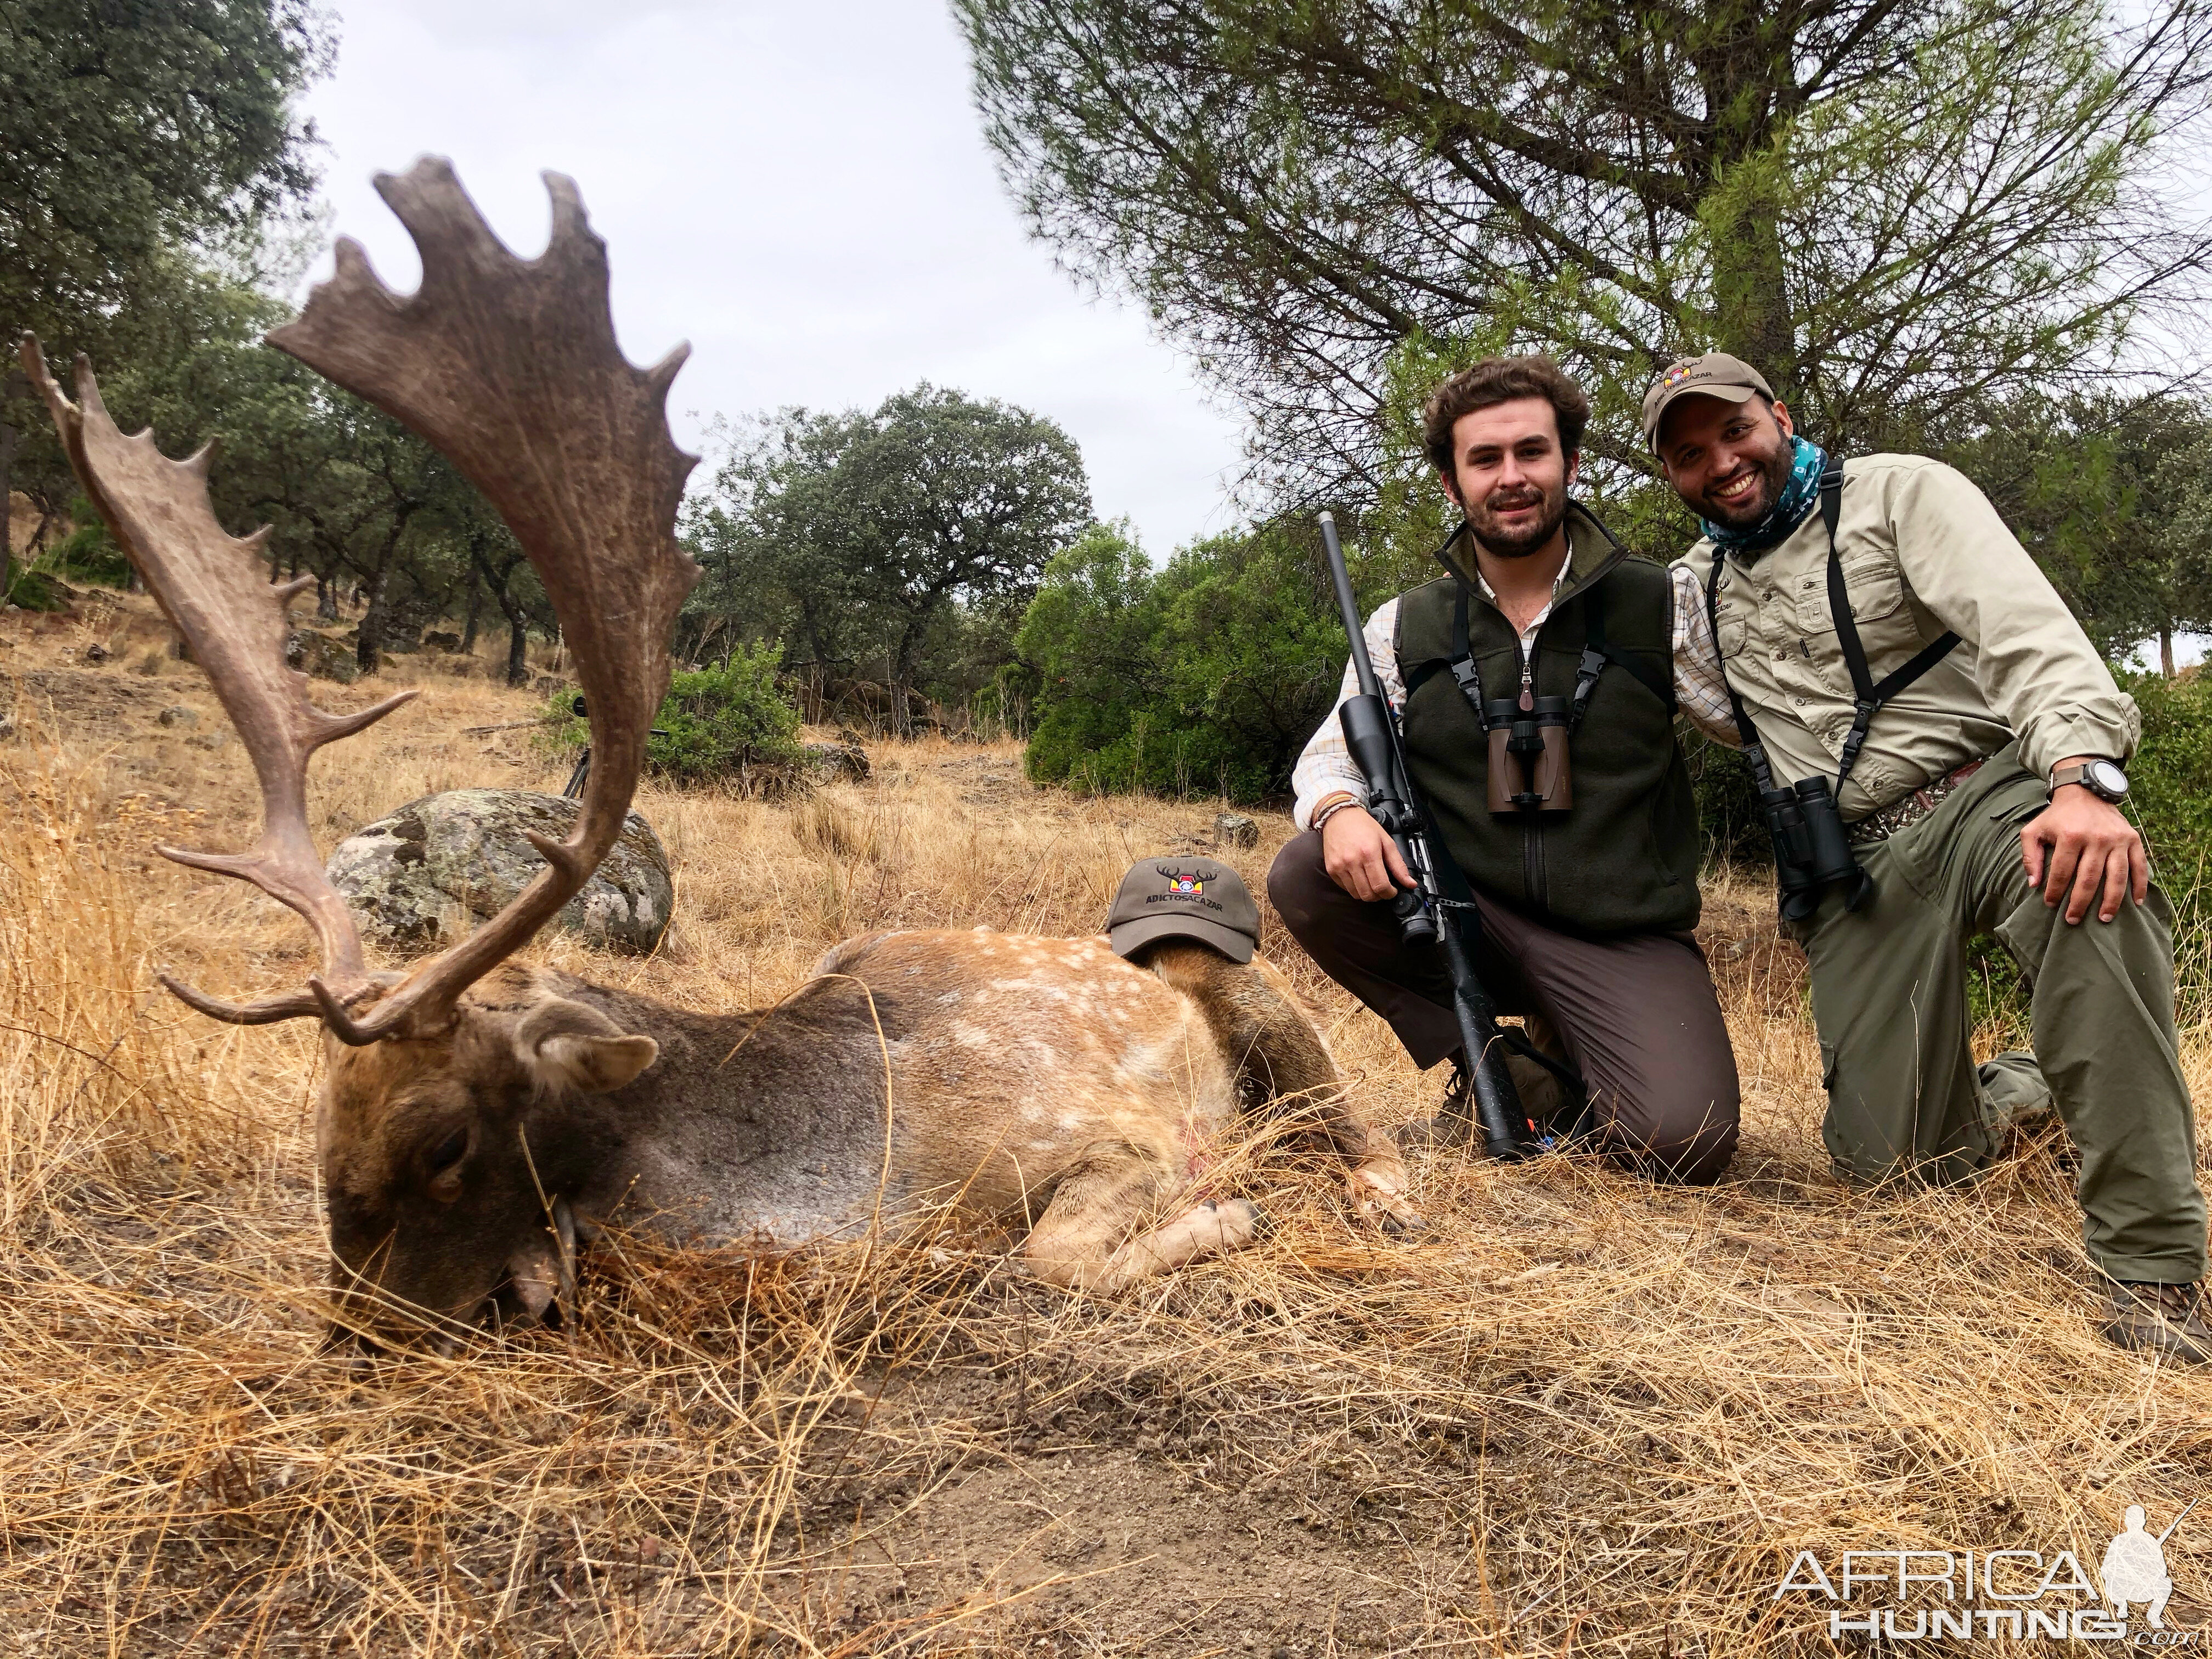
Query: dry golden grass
[1583,1414]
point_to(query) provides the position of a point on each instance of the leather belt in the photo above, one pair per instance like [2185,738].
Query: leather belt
[1903,813]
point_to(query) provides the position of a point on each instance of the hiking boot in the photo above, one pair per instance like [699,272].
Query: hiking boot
[2158,1319]
[1451,1125]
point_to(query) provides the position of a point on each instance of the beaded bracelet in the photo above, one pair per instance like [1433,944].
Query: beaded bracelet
[1329,808]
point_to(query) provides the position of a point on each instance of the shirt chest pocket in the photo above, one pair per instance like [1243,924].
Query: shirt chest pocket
[1875,590]
[1731,627]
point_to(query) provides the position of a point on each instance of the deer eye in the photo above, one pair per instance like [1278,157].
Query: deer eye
[442,1163]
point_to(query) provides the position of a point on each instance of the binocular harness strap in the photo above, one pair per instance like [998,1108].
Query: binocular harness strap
[1871,696]
[1868,694]
[1592,665]
[1468,678]
[1747,734]
[1464,673]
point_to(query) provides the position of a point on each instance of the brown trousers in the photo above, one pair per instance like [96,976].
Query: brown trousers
[1636,1014]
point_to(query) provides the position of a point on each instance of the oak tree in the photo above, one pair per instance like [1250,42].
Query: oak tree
[131,132]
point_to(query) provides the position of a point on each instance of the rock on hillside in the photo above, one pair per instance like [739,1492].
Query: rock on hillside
[420,878]
[322,654]
[841,759]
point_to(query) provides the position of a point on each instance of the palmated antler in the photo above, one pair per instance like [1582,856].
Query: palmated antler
[213,586]
[510,368]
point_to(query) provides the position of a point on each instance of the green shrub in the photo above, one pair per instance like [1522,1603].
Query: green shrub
[1090,635]
[720,723]
[1730,826]
[2170,786]
[38,590]
[1205,676]
[89,553]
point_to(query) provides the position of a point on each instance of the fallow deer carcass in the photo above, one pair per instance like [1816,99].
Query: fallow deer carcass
[478,1110]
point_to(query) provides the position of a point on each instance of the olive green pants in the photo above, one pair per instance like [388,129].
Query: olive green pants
[1889,996]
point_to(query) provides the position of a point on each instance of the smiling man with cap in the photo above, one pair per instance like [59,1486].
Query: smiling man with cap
[1889,657]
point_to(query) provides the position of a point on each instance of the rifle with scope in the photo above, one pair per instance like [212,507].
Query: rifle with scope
[1371,731]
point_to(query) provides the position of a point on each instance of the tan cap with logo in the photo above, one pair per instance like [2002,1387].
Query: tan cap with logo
[1184,898]
[1716,374]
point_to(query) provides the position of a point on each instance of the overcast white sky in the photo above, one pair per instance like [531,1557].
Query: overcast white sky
[799,187]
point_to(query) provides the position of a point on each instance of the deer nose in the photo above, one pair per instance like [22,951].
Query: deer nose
[541,1275]
[534,1278]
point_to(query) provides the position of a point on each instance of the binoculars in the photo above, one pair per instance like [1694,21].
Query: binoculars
[1528,769]
[1810,852]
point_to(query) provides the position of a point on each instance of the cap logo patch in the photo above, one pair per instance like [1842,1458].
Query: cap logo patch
[1184,887]
[1678,374]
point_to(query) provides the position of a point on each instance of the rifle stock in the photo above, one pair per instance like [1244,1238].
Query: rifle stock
[1371,731]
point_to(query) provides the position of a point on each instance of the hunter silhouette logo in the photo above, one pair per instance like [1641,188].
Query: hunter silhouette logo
[2135,1568]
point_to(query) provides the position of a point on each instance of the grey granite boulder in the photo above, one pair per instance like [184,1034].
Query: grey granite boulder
[838,760]
[1235,829]
[422,878]
[322,656]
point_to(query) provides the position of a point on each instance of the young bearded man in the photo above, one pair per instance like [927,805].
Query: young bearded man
[1586,884]
[1971,739]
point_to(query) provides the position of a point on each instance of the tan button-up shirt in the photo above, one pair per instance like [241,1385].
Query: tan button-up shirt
[1923,551]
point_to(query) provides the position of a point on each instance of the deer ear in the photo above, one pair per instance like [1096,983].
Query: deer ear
[567,1045]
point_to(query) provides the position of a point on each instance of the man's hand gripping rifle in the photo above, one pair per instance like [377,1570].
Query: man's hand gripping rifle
[1370,731]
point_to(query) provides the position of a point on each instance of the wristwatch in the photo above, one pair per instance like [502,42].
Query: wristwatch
[2101,778]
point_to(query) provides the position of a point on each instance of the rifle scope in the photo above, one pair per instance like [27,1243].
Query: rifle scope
[1372,736]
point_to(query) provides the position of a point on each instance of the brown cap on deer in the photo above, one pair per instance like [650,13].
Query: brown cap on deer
[1184,898]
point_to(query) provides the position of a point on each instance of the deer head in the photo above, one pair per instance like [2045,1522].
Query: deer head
[510,367]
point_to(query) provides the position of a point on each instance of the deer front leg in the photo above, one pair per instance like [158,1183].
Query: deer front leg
[1082,1240]
[1375,1175]
[1285,1069]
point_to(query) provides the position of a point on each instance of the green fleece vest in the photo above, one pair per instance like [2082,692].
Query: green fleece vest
[1624,857]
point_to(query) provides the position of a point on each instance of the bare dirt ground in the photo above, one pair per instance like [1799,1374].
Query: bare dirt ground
[1582,1413]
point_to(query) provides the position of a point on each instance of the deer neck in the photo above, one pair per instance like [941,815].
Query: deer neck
[764,1123]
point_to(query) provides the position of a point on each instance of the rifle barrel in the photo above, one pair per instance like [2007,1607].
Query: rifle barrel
[2178,1520]
[1354,629]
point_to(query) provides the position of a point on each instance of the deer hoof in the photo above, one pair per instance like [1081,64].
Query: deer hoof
[1241,1220]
